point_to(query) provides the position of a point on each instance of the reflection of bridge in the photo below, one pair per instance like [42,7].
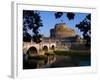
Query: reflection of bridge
[38,48]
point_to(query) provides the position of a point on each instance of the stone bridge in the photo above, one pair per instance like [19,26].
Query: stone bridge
[41,48]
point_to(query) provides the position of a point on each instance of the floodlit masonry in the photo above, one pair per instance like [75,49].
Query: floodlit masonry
[62,31]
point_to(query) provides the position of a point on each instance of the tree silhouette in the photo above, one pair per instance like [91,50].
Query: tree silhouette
[31,21]
[85,27]
[70,15]
[58,14]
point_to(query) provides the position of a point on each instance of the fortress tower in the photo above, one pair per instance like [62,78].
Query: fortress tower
[62,31]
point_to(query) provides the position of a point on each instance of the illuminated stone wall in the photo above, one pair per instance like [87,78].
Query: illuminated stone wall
[62,31]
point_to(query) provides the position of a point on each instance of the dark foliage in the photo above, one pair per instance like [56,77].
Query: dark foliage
[26,37]
[37,38]
[58,14]
[88,17]
[85,27]
[70,15]
[31,21]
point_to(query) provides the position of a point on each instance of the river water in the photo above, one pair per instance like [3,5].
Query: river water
[85,63]
[58,61]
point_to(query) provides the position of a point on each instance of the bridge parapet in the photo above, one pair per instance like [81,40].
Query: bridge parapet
[39,47]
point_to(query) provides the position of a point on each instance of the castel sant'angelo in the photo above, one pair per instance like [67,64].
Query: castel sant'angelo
[62,31]
[63,36]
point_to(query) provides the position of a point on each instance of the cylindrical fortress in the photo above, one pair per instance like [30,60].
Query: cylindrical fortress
[62,31]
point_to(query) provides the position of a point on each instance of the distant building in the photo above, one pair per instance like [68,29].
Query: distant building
[62,31]
[65,37]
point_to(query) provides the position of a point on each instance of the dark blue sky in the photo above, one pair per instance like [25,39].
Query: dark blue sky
[49,21]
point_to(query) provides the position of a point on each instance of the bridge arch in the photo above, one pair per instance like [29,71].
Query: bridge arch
[52,47]
[32,51]
[45,48]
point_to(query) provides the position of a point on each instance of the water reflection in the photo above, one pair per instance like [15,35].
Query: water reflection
[32,63]
[53,61]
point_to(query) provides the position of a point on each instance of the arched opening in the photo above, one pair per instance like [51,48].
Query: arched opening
[32,51]
[52,47]
[45,48]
